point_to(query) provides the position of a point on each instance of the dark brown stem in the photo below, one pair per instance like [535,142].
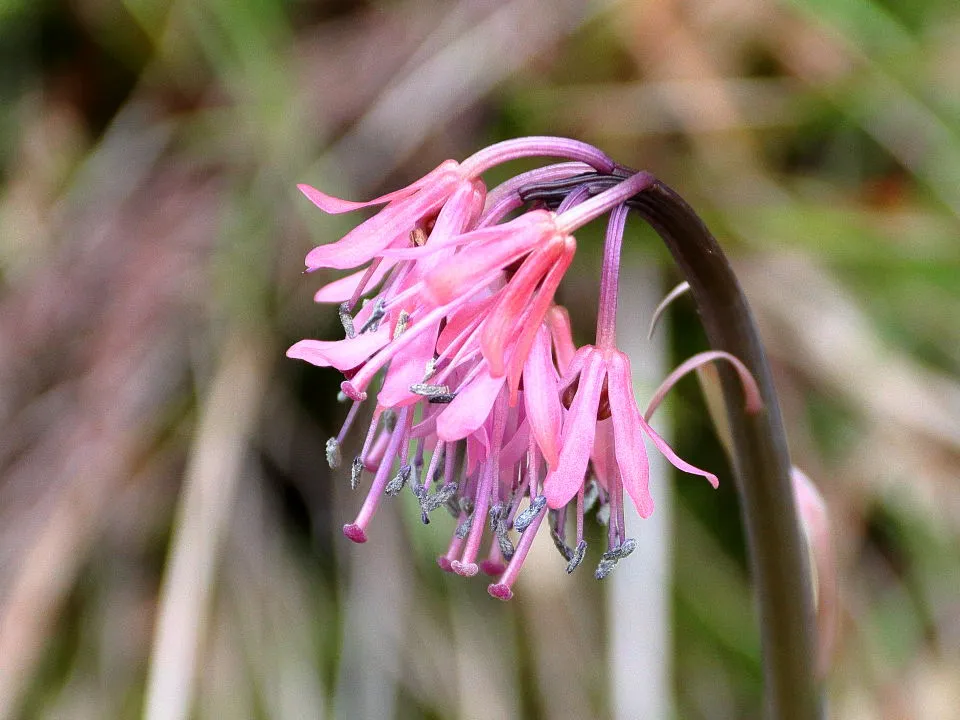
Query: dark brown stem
[778,557]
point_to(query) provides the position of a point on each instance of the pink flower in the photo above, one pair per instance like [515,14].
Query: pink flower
[485,406]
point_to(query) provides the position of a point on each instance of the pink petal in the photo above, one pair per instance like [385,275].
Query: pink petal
[342,290]
[628,436]
[424,428]
[470,408]
[451,227]
[750,390]
[390,225]
[462,322]
[515,448]
[486,252]
[538,308]
[501,326]
[575,366]
[477,444]
[407,369]
[341,354]
[603,444]
[674,459]
[579,428]
[334,205]
[541,398]
[558,320]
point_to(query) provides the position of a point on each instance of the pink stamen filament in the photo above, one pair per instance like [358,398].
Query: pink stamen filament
[491,467]
[371,432]
[362,285]
[450,456]
[356,386]
[580,494]
[348,422]
[373,459]
[502,588]
[383,474]
[446,560]
[438,452]
[612,535]
[520,493]
[493,565]
[533,479]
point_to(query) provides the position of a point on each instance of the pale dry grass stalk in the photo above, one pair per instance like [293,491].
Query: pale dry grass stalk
[639,594]
[226,422]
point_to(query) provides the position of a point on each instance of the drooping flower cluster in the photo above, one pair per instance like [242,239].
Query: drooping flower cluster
[484,405]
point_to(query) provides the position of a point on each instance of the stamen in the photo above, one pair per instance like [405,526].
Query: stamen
[494,564]
[416,487]
[498,527]
[429,391]
[523,519]
[362,285]
[429,503]
[373,322]
[348,422]
[356,530]
[485,490]
[346,319]
[418,237]
[333,453]
[433,468]
[453,550]
[609,560]
[580,512]
[401,324]
[556,533]
[519,493]
[506,547]
[578,556]
[501,589]
[356,470]
[449,464]
[463,529]
[398,482]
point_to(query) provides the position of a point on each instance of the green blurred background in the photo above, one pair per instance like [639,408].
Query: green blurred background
[169,533]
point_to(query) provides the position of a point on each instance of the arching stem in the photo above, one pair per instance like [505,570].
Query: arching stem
[778,557]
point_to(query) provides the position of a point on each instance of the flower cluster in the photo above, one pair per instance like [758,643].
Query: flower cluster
[484,405]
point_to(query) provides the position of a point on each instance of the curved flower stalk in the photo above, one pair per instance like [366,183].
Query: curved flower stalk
[484,405]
